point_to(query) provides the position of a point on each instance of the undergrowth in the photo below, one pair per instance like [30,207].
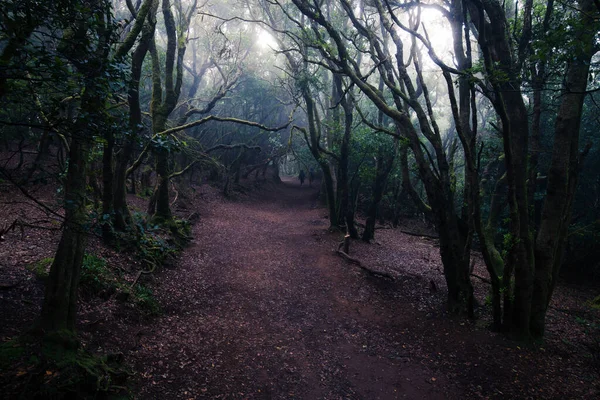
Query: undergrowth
[31,368]
[158,241]
[41,267]
[40,368]
[98,279]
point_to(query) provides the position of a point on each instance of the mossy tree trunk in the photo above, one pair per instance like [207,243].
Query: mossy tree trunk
[90,58]
[385,162]
[313,139]
[564,169]
[60,301]
[534,261]
[123,220]
[108,177]
[164,101]
[59,308]
[346,210]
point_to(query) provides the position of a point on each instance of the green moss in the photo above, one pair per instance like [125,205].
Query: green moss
[180,230]
[41,268]
[55,366]
[596,303]
[96,276]
[144,298]
[10,352]
[79,374]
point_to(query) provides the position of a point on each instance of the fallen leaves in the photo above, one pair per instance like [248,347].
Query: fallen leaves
[256,307]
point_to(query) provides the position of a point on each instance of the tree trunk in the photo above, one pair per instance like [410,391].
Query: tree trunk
[164,101]
[60,301]
[107,188]
[563,173]
[276,176]
[330,193]
[346,211]
[161,193]
[498,55]
[123,220]
[122,214]
[384,167]
[314,146]
[456,263]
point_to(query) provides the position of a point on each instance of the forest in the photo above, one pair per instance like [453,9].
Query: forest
[314,199]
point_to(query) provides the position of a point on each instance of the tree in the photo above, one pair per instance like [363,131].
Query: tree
[534,258]
[434,170]
[164,101]
[88,34]
[86,41]
[122,216]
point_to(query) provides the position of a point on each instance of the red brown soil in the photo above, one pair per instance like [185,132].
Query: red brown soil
[260,306]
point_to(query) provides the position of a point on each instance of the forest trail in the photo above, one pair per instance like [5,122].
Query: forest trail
[259,306]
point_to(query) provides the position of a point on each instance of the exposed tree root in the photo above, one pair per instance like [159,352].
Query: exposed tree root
[137,277]
[363,267]
[345,244]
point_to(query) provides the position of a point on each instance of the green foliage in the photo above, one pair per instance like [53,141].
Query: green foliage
[309,80]
[96,276]
[10,352]
[51,370]
[167,143]
[40,268]
[144,298]
[154,250]
[488,300]
[510,288]
[508,242]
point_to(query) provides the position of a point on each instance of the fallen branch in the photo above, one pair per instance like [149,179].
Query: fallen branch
[6,228]
[363,267]
[419,234]
[486,280]
[575,312]
[176,194]
[137,277]
[232,146]
[10,286]
[383,227]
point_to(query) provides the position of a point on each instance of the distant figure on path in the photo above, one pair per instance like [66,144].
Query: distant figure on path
[301,177]
[311,176]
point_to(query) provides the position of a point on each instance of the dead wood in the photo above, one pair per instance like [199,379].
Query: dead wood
[137,277]
[432,286]
[419,234]
[481,278]
[193,217]
[345,244]
[363,267]
[176,194]
[6,228]
[10,286]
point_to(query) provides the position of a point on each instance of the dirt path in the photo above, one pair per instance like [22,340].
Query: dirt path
[260,307]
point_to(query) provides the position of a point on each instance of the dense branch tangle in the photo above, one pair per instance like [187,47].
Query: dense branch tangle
[406,100]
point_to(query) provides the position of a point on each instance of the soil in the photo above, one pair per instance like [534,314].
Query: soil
[259,306]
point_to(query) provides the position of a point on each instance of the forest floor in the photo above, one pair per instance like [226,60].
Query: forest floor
[260,306]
